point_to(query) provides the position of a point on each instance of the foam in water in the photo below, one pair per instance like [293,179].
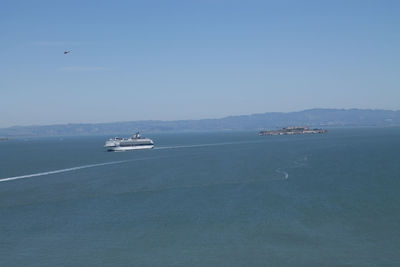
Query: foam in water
[285,174]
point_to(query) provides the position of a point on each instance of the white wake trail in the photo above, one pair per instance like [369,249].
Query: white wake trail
[72,169]
[209,144]
[60,171]
[118,162]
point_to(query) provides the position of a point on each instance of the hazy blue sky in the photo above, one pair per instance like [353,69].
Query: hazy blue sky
[139,60]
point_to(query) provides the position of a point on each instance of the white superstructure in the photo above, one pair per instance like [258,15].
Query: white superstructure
[132,143]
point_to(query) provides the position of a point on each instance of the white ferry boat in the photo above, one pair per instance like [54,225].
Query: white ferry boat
[132,143]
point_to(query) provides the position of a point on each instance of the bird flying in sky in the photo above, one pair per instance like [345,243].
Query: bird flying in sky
[66,52]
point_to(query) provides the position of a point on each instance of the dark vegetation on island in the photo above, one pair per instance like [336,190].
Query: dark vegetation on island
[293,130]
[315,118]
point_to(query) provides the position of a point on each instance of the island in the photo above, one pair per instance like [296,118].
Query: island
[293,130]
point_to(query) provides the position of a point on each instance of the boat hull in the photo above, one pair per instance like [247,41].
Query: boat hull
[127,148]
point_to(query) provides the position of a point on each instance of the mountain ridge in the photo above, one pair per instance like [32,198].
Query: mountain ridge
[259,121]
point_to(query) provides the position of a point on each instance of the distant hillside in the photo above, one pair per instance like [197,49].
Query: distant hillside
[271,120]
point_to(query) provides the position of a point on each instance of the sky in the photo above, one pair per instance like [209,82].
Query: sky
[172,60]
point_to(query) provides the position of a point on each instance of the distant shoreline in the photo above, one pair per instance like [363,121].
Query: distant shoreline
[315,118]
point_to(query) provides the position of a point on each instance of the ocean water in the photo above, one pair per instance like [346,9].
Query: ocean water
[203,199]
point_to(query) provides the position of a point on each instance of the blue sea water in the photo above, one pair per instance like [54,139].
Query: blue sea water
[203,199]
